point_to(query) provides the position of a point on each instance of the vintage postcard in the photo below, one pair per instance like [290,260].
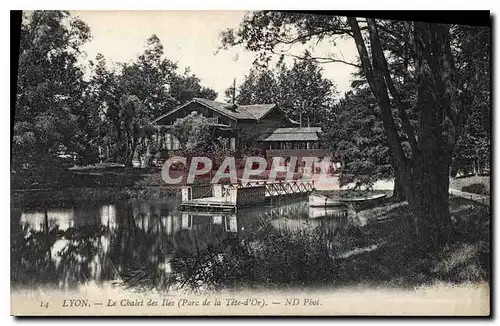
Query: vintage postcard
[250,163]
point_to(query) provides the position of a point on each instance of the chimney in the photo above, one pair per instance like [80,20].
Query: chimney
[231,107]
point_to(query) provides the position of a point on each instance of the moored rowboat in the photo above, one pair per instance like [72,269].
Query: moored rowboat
[322,212]
[316,200]
[362,199]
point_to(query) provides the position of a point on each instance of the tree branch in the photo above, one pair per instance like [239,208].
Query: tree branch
[378,52]
[318,59]
[366,65]
[375,79]
[304,37]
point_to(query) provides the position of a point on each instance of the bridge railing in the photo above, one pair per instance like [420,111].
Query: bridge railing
[280,187]
[275,188]
[250,183]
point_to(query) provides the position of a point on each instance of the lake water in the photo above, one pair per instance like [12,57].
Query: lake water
[148,246]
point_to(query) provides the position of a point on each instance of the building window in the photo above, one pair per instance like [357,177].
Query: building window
[171,142]
[168,141]
[176,144]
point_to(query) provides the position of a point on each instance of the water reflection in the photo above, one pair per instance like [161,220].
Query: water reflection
[151,245]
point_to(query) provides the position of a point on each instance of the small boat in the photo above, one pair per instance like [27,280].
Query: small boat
[317,200]
[322,212]
[362,199]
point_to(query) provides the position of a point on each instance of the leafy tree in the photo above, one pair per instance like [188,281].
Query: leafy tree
[446,71]
[187,86]
[356,136]
[134,123]
[157,83]
[230,93]
[150,78]
[473,147]
[63,119]
[301,91]
[259,87]
[304,93]
[443,98]
[155,86]
[100,93]
[49,96]
[192,131]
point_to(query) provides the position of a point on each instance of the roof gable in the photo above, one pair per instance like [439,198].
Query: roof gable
[216,106]
[224,108]
[238,112]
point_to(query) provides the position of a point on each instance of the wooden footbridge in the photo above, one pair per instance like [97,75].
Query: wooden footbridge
[244,193]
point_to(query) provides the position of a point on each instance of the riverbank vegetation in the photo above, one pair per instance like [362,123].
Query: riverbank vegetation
[378,253]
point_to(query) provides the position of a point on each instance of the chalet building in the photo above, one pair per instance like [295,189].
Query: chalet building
[263,126]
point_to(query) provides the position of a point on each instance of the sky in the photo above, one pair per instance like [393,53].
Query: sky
[191,38]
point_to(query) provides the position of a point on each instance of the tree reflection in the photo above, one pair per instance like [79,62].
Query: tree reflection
[55,256]
[145,246]
[31,261]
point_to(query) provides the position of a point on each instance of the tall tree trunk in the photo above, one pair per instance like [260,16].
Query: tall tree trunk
[429,203]
[431,168]
[129,157]
[398,190]
[425,175]
[119,142]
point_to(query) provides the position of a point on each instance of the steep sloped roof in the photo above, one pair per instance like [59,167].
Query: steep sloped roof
[254,111]
[225,108]
[246,112]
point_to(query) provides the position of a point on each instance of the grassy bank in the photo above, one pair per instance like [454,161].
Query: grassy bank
[397,263]
[377,253]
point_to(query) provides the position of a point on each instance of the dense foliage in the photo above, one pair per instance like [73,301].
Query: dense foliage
[65,117]
[300,90]
[359,140]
